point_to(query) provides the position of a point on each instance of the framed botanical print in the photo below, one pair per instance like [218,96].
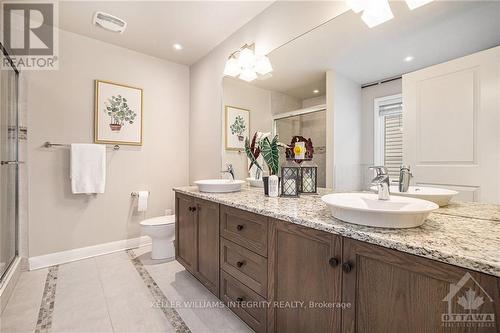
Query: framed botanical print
[117,114]
[237,127]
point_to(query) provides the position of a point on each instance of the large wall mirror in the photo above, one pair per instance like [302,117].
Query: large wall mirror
[422,89]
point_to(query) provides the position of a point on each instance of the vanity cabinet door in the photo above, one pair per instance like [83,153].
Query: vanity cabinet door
[185,232]
[304,266]
[207,215]
[391,291]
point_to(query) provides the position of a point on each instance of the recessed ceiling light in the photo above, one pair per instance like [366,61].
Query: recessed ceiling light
[177,46]
[409,58]
[316,91]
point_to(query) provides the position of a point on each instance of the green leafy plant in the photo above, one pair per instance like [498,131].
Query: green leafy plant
[270,152]
[119,111]
[253,152]
[238,127]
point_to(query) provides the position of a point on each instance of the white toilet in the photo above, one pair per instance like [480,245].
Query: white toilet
[161,229]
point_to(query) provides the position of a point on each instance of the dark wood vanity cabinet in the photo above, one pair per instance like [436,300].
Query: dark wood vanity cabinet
[304,279]
[197,239]
[303,276]
[392,291]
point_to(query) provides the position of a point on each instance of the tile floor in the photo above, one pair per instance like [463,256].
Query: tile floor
[115,293]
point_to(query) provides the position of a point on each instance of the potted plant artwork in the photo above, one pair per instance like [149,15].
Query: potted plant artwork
[119,112]
[238,127]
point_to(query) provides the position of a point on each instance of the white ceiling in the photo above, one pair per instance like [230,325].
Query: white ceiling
[154,26]
[432,34]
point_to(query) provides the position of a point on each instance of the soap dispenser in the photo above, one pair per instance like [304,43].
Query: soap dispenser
[273,186]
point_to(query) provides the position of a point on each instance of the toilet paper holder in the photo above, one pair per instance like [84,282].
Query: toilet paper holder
[136,194]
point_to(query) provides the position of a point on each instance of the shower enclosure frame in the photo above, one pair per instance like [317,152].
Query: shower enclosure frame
[16,162]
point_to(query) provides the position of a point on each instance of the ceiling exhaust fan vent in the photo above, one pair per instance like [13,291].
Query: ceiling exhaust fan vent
[109,22]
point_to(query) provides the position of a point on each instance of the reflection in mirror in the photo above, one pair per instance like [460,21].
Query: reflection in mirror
[298,111]
[420,90]
[311,124]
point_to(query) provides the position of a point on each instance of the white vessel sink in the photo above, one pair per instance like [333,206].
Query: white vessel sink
[219,185]
[440,196]
[255,182]
[366,209]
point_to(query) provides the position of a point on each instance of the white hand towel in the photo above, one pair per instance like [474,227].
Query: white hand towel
[88,168]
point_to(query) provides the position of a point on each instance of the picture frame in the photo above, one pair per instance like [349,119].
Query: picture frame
[118,114]
[237,127]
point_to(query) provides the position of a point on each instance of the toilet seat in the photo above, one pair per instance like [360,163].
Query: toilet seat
[158,221]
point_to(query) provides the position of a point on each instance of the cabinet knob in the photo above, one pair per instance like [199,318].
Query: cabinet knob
[239,299]
[194,208]
[334,262]
[240,227]
[347,267]
[240,263]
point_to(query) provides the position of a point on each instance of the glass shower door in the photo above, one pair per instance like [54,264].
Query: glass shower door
[9,165]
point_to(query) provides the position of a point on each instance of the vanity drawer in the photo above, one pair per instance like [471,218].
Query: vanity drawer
[244,228]
[246,266]
[248,305]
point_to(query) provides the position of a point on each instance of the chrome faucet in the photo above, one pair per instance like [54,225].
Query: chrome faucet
[382,182]
[405,176]
[229,170]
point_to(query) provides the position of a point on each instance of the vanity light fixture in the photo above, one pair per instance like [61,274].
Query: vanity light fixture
[409,58]
[245,64]
[177,46]
[315,91]
[412,4]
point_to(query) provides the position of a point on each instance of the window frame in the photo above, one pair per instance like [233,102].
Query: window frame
[378,125]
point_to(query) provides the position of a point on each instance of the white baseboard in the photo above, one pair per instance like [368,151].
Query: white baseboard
[86,252]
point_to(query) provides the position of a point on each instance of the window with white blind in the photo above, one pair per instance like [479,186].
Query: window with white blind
[388,134]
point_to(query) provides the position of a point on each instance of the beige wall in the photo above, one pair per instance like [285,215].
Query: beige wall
[278,24]
[368,96]
[313,101]
[344,118]
[243,95]
[61,110]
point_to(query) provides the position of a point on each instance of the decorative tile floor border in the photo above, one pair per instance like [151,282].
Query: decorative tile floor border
[44,322]
[159,297]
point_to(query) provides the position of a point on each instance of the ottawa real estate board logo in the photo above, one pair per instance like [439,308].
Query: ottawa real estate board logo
[29,36]
[468,305]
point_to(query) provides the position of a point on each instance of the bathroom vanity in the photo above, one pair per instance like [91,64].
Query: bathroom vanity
[285,265]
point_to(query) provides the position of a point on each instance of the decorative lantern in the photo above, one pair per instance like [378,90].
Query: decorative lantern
[309,177]
[290,179]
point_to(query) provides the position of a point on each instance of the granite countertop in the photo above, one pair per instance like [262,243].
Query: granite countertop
[461,234]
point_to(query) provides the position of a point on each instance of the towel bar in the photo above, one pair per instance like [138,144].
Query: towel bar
[49,144]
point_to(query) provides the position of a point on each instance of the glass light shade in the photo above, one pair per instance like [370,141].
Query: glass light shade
[356,5]
[246,58]
[248,74]
[232,67]
[377,12]
[263,65]
[412,4]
